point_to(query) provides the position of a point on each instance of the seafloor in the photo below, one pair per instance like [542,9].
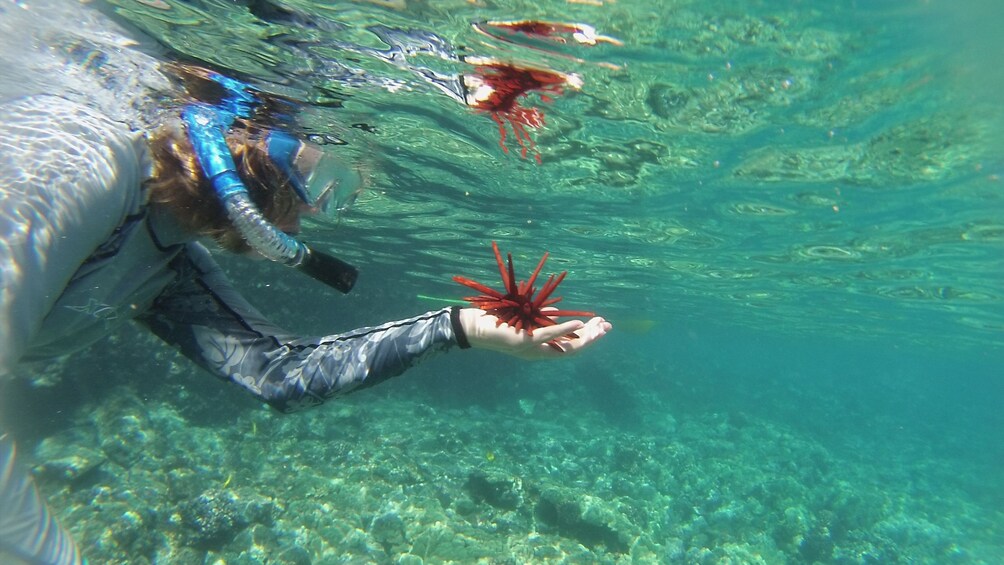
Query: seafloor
[578,464]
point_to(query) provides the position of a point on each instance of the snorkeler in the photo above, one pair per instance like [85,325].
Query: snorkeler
[105,194]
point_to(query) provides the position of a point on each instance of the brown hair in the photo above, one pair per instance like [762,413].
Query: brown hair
[179,185]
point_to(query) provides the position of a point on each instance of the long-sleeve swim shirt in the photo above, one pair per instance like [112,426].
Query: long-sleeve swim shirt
[81,251]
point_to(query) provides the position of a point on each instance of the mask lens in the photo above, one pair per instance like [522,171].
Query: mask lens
[329,183]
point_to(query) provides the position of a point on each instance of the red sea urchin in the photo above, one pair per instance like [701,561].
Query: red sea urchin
[517,306]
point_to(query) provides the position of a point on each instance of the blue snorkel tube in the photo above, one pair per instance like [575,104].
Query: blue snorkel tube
[207,126]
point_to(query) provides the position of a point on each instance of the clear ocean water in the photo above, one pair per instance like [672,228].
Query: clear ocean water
[792,212]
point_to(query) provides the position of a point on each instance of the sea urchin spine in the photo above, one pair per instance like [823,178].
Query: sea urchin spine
[516,305]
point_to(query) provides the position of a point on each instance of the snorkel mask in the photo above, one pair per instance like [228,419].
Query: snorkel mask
[207,126]
[323,182]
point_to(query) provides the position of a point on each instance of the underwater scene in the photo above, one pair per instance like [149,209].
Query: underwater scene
[791,212]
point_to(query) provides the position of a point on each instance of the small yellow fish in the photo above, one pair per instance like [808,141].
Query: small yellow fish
[226,483]
[636,326]
[490,456]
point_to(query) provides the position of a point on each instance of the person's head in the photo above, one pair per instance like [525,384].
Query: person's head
[224,175]
[179,185]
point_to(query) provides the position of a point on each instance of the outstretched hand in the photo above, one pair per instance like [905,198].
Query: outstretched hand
[551,342]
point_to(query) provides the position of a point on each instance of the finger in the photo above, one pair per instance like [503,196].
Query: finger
[595,328]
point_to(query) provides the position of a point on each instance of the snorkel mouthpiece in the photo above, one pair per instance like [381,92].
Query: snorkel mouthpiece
[206,127]
[329,270]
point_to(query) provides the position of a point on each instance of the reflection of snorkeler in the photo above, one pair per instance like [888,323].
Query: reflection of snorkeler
[105,194]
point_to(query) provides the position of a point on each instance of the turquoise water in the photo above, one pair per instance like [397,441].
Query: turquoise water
[791,212]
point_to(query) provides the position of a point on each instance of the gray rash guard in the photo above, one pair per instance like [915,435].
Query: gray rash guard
[82,252]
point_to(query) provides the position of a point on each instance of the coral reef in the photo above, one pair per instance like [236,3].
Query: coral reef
[399,475]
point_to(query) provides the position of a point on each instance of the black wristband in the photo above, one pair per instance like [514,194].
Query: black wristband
[458,328]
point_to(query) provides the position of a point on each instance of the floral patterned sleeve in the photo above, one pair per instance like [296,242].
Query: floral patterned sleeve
[204,316]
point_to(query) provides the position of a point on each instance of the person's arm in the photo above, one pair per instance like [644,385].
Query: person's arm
[204,316]
[212,324]
[68,177]
[29,532]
